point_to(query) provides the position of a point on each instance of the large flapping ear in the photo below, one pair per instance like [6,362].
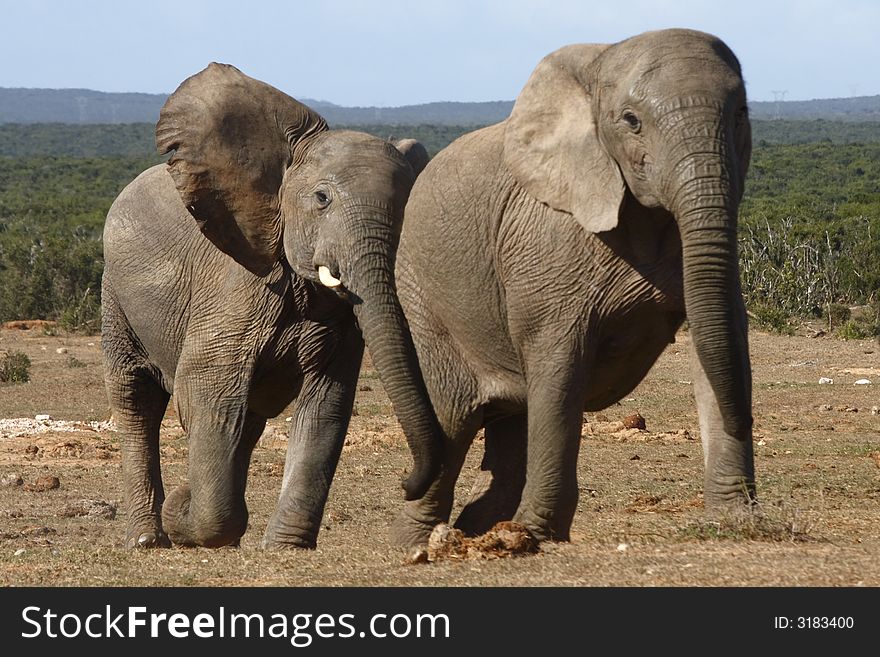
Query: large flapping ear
[233,138]
[414,152]
[551,142]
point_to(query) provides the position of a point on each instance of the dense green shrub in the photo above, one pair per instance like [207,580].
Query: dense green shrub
[15,367]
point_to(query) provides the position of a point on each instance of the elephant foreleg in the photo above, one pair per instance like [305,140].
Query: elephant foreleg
[729,477]
[317,433]
[555,403]
[497,491]
[210,509]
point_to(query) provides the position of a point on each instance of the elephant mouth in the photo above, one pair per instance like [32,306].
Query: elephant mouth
[332,281]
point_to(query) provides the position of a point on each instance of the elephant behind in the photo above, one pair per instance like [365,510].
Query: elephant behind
[546,261]
[297,272]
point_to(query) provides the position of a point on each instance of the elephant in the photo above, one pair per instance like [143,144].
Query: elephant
[296,274]
[546,261]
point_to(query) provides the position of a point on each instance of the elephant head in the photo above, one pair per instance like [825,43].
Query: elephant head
[660,120]
[265,178]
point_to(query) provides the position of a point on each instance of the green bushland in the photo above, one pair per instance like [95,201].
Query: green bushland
[52,212]
[809,229]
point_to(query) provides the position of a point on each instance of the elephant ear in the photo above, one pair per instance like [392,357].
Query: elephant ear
[233,138]
[414,152]
[551,142]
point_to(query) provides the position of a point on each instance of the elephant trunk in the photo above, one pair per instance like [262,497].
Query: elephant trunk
[387,336]
[716,317]
[705,205]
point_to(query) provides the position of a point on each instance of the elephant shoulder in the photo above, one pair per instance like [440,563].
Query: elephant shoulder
[148,223]
[149,197]
[473,157]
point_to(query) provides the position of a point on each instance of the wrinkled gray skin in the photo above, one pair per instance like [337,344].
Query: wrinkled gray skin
[264,178]
[546,262]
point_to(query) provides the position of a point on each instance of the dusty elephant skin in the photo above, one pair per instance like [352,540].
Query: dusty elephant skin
[546,261]
[311,220]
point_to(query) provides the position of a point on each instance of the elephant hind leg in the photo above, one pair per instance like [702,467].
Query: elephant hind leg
[497,491]
[138,404]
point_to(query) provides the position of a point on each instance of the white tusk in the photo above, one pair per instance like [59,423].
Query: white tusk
[327,278]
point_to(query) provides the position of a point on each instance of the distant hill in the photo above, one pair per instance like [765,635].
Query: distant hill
[77,106]
[858,108]
[82,106]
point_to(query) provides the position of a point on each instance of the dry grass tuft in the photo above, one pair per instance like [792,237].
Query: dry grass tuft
[776,523]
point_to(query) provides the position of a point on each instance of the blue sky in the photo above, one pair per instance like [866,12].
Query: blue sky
[399,52]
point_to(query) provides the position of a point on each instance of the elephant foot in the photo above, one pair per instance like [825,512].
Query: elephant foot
[274,544]
[148,539]
[293,532]
[212,528]
[542,528]
[407,531]
[734,495]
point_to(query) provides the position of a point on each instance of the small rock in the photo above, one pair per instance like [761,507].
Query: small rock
[875,410]
[19,552]
[635,457]
[863,382]
[851,409]
[43,417]
[824,380]
[623,547]
[634,421]
[762,442]
[42,484]
[61,350]
[826,407]
[11,480]
[31,451]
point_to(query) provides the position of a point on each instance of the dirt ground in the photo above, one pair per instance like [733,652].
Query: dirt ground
[640,520]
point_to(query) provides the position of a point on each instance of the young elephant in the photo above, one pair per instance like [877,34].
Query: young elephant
[314,216]
[546,261]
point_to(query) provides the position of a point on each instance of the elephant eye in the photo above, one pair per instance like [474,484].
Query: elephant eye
[322,198]
[632,120]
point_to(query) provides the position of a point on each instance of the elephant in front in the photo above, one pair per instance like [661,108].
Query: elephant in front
[546,261]
[297,272]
